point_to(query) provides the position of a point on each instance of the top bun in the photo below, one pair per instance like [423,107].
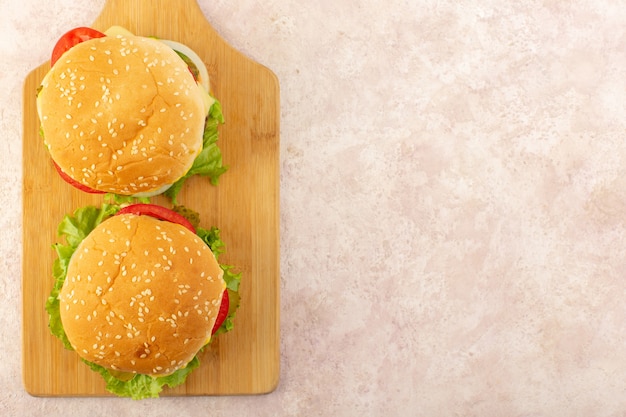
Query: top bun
[141,295]
[122,115]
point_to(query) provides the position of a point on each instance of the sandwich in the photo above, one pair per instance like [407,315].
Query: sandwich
[128,115]
[139,294]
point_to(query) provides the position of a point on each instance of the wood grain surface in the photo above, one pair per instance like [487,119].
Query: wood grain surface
[245,206]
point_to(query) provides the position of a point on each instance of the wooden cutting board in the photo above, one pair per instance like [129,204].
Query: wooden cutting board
[245,206]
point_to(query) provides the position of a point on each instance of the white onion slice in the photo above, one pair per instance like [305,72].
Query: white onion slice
[203,78]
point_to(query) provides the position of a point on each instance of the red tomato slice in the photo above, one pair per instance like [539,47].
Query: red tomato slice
[221,315]
[158,212]
[71,38]
[75,183]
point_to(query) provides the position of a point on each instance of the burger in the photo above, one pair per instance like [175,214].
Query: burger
[139,293]
[128,115]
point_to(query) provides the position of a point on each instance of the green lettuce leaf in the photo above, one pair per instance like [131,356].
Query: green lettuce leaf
[232,286]
[212,238]
[74,229]
[209,162]
[141,386]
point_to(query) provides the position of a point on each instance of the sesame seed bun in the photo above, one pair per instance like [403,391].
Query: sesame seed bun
[141,295]
[122,115]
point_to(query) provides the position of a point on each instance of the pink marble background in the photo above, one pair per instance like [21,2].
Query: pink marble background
[453,206]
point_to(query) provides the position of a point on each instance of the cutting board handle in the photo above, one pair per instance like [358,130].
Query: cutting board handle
[173,9]
[152,17]
[118,4]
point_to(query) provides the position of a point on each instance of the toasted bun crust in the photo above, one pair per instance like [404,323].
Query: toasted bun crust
[141,295]
[122,114]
